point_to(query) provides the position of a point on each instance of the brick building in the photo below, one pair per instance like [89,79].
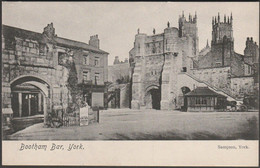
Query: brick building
[40,71]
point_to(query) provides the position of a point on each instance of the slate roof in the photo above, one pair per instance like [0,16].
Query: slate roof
[11,32]
[203,91]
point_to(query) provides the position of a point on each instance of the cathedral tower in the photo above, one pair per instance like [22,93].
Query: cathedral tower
[222,44]
[189,28]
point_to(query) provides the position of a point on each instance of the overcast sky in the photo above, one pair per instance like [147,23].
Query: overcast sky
[116,23]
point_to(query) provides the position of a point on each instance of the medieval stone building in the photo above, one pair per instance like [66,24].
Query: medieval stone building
[167,66]
[41,71]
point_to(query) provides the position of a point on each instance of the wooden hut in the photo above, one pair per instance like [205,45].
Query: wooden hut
[204,99]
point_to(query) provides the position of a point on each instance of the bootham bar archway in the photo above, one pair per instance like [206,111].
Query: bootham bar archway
[152,97]
[31,95]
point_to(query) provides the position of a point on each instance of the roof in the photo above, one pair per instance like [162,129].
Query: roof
[76,44]
[203,91]
[11,32]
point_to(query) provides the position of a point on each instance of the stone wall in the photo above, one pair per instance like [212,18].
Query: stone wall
[218,77]
[241,86]
[117,71]
[124,96]
[26,58]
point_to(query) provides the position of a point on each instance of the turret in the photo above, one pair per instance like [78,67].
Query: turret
[189,28]
[49,31]
[221,29]
[231,18]
[251,51]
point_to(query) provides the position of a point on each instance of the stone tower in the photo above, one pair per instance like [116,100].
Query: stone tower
[251,51]
[189,28]
[222,44]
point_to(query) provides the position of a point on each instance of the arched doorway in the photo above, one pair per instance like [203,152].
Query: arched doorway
[30,97]
[153,98]
[184,90]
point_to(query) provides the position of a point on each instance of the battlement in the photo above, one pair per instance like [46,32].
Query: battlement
[94,37]
[250,40]
[192,19]
[222,30]
[227,20]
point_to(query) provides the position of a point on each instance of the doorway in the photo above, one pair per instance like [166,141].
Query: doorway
[156,98]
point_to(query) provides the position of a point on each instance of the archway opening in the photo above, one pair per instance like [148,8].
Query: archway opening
[184,90]
[30,97]
[156,98]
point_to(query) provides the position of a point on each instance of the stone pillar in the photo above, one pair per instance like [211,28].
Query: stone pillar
[20,103]
[29,104]
[45,100]
[39,102]
[165,88]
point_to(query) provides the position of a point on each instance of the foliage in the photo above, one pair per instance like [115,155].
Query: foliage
[123,80]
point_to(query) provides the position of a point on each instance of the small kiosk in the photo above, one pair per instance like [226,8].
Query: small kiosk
[204,99]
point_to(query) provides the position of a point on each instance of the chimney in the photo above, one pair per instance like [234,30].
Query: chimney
[94,41]
[116,60]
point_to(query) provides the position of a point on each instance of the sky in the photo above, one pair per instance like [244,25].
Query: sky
[116,23]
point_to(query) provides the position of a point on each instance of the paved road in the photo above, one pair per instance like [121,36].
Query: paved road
[126,124]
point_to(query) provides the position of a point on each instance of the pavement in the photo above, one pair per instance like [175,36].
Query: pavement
[127,124]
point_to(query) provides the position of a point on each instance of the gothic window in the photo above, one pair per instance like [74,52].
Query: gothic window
[42,48]
[61,58]
[166,44]
[138,48]
[154,48]
[160,47]
[85,76]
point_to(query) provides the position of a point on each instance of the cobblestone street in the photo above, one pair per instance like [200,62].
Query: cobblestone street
[126,124]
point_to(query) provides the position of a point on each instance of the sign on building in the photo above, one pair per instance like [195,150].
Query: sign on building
[84,116]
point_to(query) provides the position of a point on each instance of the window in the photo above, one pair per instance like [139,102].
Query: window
[166,44]
[138,48]
[96,61]
[86,59]
[154,48]
[42,48]
[96,78]
[85,76]
[61,58]
[201,101]
[184,69]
